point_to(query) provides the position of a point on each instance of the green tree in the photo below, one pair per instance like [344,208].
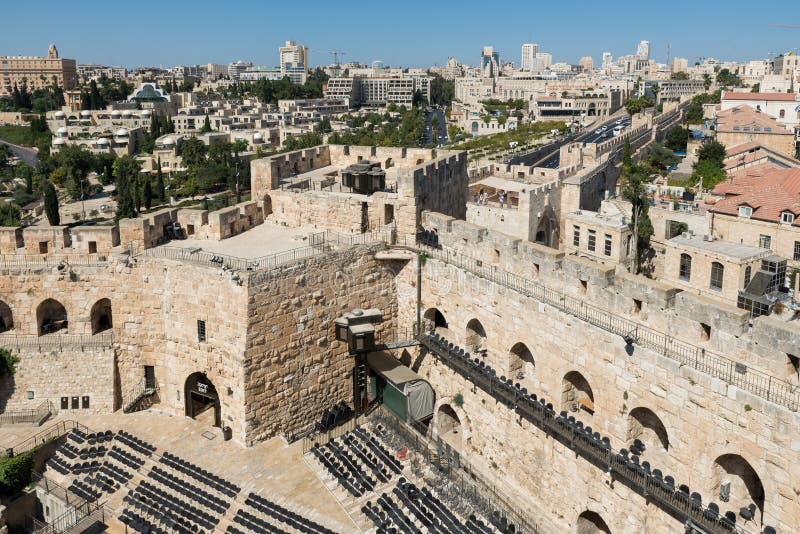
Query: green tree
[442,92]
[726,78]
[417,99]
[661,157]
[707,81]
[8,363]
[634,179]
[126,171]
[147,193]
[712,151]
[206,126]
[679,75]
[51,204]
[708,173]
[193,152]
[160,189]
[677,139]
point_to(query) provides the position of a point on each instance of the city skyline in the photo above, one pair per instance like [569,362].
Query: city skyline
[410,38]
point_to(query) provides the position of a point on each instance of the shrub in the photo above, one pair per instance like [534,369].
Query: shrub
[458,400]
[15,472]
[8,363]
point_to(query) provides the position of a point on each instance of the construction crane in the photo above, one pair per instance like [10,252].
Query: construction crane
[336,54]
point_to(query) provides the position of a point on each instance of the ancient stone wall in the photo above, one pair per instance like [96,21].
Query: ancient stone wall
[714,430]
[293,368]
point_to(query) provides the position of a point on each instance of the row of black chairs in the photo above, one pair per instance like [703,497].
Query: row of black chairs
[179,505]
[138,445]
[201,475]
[254,523]
[161,519]
[99,437]
[125,458]
[344,477]
[102,482]
[59,465]
[139,523]
[335,416]
[84,491]
[121,476]
[189,490]
[285,516]
[163,515]
[375,444]
[585,433]
[77,435]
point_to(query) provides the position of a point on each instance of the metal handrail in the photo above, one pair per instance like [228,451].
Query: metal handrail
[51,260]
[139,391]
[28,415]
[57,341]
[49,434]
[535,410]
[735,373]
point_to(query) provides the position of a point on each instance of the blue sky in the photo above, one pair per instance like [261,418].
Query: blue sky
[400,32]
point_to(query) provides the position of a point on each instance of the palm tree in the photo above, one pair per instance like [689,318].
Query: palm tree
[706,80]
[656,89]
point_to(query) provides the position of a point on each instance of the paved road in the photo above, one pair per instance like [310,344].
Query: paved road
[28,155]
[441,134]
[598,134]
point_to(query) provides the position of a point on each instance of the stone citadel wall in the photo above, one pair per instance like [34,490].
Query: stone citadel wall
[701,430]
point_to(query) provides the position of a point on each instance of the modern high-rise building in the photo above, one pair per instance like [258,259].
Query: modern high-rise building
[235,69]
[37,72]
[608,60]
[643,50]
[529,51]
[490,62]
[587,63]
[293,56]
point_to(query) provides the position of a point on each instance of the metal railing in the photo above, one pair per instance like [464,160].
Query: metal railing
[24,261]
[598,452]
[31,415]
[140,391]
[467,485]
[730,371]
[49,434]
[320,243]
[56,341]
[79,516]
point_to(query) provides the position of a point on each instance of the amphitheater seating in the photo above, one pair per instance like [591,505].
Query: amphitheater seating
[263,515]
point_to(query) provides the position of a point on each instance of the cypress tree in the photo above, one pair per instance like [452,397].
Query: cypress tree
[147,193]
[160,183]
[51,204]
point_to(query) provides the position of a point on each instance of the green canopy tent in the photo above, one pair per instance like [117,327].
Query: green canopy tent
[405,393]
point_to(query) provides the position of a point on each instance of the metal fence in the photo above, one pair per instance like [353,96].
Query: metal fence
[597,451]
[80,515]
[459,482]
[730,371]
[25,261]
[49,434]
[31,415]
[60,342]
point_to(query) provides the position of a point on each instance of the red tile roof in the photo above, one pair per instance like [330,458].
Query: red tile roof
[743,116]
[775,97]
[767,190]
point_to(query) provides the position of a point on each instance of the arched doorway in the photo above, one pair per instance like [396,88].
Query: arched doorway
[6,317]
[435,318]
[475,335]
[202,401]
[735,479]
[645,425]
[101,316]
[577,393]
[591,523]
[448,426]
[521,364]
[267,206]
[547,231]
[51,316]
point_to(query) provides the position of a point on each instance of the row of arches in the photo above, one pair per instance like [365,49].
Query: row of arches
[734,480]
[51,317]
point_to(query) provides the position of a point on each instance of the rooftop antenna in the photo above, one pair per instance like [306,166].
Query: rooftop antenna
[668,53]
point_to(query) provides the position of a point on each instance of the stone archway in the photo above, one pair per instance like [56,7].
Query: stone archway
[475,337]
[591,523]
[576,393]
[547,229]
[51,316]
[734,476]
[202,400]
[451,425]
[101,317]
[521,365]
[646,426]
[6,317]
[435,318]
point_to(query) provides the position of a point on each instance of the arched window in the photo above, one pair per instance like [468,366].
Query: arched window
[475,335]
[434,316]
[747,273]
[576,393]
[736,480]
[685,270]
[101,316]
[591,523]
[717,272]
[6,317]
[51,316]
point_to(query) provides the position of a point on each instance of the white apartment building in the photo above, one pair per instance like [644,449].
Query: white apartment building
[529,51]
[643,50]
[294,56]
[378,91]
[786,64]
